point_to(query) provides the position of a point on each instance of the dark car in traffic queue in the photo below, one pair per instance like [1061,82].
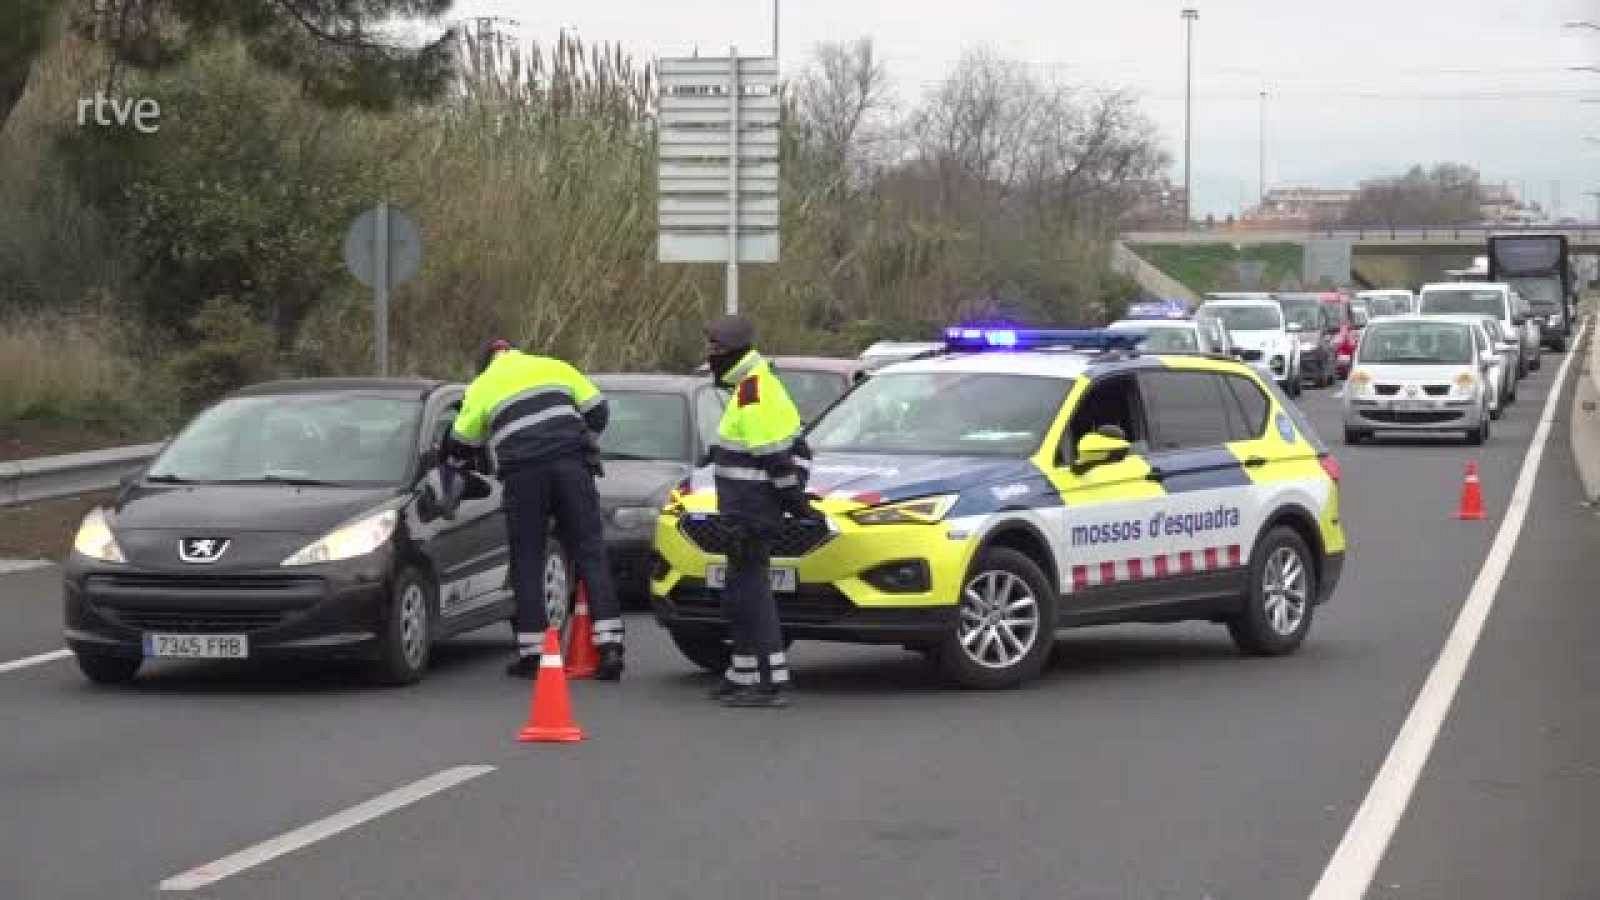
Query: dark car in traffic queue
[295,520]
[1319,329]
[660,426]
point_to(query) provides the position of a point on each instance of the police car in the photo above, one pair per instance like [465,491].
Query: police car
[1025,481]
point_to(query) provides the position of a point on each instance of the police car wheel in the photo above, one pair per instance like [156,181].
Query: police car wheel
[1005,623]
[102,669]
[708,650]
[407,632]
[1280,597]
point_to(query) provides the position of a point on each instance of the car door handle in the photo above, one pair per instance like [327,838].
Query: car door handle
[1255,462]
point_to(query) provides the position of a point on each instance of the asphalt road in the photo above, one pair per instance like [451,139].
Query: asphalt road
[1150,762]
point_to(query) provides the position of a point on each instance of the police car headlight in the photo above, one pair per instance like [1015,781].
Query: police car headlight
[924,511]
[348,541]
[634,518]
[95,540]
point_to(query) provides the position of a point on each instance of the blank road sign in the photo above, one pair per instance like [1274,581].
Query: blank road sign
[703,139]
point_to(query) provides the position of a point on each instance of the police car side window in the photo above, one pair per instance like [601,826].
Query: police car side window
[1250,407]
[1185,410]
[1110,401]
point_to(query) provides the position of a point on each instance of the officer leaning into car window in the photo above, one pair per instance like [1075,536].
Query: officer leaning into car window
[761,465]
[534,421]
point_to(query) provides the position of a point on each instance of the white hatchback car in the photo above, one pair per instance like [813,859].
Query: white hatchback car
[1421,374]
[1178,335]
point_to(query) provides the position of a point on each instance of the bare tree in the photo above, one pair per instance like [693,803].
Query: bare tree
[839,100]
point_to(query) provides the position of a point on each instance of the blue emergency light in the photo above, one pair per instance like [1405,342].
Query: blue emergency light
[967,339]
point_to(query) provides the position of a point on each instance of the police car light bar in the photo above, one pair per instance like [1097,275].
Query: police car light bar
[981,339]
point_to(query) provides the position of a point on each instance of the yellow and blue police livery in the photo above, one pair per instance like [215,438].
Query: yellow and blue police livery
[1025,481]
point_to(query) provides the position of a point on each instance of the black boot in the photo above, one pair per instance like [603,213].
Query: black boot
[611,663]
[758,696]
[525,667]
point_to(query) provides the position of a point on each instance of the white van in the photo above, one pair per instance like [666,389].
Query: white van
[1483,298]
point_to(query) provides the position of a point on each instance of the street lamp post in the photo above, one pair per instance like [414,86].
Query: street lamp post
[1261,151]
[1190,14]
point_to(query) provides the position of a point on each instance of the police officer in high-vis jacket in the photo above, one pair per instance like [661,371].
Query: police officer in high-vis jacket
[535,421]
[761,466]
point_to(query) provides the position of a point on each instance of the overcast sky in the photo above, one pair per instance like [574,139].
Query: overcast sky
[1355,87]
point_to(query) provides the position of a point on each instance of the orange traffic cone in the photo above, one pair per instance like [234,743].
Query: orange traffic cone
[550,718]
[1471,494]
[582,658]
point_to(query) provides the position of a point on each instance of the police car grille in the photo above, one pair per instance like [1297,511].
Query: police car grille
[811,605]
[793,539]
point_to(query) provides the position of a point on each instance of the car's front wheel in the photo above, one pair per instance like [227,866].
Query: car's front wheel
[1279,597]
[102,669]
[1005,623]
[407,631]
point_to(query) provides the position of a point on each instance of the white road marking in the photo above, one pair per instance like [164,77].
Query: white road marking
[306,835]
[18,566]
[27,661]
[1355,861]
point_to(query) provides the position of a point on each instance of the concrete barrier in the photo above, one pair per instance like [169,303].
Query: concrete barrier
[1584,419]
[28,480]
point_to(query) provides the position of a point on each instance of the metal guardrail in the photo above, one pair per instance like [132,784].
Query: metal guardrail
[28,480]
[1581,234]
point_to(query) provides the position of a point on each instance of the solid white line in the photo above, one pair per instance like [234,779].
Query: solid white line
[27,661]
[1355,861]
[18,566]
[304,836]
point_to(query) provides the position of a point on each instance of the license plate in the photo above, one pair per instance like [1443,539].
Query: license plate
[197,646]
[781,579]
[1413,405]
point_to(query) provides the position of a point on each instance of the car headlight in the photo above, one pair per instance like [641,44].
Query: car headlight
[358,538]
[1466,383]
[634,518]
[922,511]
[95,539]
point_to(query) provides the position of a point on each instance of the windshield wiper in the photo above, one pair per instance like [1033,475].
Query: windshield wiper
[168,479]
[283,479]
[638,457]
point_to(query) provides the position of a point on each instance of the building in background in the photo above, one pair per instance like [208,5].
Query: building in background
[1299,208]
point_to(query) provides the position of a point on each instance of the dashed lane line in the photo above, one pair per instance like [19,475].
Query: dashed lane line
[322,829]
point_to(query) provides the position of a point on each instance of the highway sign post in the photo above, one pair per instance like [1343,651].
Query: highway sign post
[383,248]
[1326,260]
[718,163]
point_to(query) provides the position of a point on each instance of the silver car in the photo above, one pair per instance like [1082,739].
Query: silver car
[1416,374]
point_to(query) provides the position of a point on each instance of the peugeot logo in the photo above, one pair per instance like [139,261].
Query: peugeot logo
[1411,390]
[202,550]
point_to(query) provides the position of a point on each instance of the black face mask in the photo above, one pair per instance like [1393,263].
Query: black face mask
[722,363]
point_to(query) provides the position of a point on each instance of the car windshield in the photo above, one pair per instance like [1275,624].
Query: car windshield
[646,425]
[1421,343]
[337,438]
[1159,339]
[811,390]
[1465,302]
[1248,318]
[1305,313]
[1543,293]
[954,413]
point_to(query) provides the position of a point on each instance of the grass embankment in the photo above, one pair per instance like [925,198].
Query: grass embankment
[1211,267]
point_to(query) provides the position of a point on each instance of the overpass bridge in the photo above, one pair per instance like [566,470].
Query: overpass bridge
[1372,241]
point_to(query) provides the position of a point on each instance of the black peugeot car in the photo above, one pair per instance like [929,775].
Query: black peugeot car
[292,520]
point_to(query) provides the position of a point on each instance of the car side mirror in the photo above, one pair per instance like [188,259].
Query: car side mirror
[1106,444]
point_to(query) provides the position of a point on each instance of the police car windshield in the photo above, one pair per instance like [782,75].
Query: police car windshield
[1419,343]
[1248,318]
[950,413]
[646,425]
[338,438]
[812,391]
